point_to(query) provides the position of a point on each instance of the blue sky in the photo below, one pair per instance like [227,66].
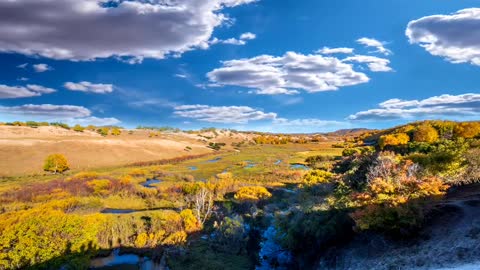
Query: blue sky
[244,64]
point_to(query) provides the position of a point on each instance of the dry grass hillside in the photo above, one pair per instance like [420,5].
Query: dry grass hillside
[23,149]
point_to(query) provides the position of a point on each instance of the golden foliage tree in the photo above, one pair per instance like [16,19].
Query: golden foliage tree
[56,163]
[393,140]
[425,133]
[467,130]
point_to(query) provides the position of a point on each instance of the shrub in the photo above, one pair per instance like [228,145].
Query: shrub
[100,186]
[32,124]
[472,171]
[103,131]
[253,193]
[190,222]
[137,172]
[62,125]
[350,152]
[317,177]
[56,163]
[116,132]
[176,238]
[78,128]
[231,234]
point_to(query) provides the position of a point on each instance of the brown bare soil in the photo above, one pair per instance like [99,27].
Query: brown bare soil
[23,149]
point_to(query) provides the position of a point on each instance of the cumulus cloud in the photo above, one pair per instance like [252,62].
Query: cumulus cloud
[223,114]
[378,45]
[456,37]
[287,74]
[84,86]
[437,106]
[375,64]
[48,111]
[248,36]
[234,41]
[246,115]
[69,114]
[327,50]
[90,29]
[41,68]
[30,90]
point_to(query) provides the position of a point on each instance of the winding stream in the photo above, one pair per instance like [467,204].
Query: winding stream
[126,261]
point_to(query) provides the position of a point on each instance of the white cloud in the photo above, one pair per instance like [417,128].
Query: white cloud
[222,114]
[241,115]
[92,120]
[41,68]
[182,76]
[327,50]
[375,64]
[23,66]
[47,111]
[456,37]
[287,74]
[90,29]
[307,125]
[23,79]
[30,90]
[84,86]
[233,41]
[437,106]
[248,36]
[379,45]
[311,122]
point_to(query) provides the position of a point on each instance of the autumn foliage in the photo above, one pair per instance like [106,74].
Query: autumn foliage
[252,193]
[56,163]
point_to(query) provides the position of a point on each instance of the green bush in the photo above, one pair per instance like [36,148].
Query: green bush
[350,152]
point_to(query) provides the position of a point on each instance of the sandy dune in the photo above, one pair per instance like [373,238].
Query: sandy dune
[23,149]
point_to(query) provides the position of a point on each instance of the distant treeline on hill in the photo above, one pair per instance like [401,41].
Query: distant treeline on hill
[102,130]
[429,131]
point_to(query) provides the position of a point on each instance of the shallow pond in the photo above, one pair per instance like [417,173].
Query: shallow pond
[193,168]
[298,166]
[150,182]
[118,211]
[124,261]
[129,211]
[250,164]
[214,160]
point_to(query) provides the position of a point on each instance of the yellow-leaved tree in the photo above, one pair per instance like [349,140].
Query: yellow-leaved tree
[425,133]
[56,163]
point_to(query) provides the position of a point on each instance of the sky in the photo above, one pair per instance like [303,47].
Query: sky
[267,65]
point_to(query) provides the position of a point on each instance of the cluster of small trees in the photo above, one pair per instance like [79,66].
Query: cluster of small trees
[429,132]
[215,146]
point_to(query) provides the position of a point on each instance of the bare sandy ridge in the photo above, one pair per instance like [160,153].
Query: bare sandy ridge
[23,149]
